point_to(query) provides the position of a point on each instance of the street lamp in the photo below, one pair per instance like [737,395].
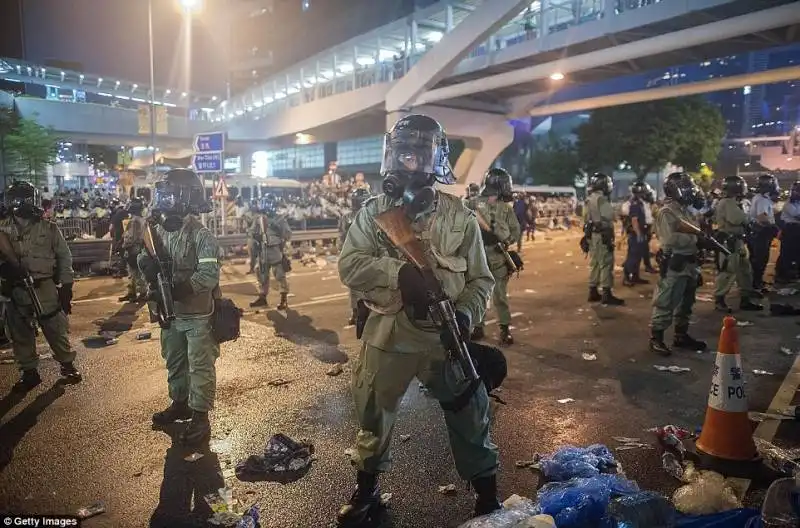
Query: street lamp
[188,6]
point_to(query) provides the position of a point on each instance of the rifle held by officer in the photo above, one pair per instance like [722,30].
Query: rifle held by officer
[10,256]
[499,246]
[165,312]
[263,240]
[396,225]
[691,229]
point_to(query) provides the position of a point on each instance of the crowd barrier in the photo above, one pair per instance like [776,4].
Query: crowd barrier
[86,252]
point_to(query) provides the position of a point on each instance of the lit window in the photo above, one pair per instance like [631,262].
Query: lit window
[306,5]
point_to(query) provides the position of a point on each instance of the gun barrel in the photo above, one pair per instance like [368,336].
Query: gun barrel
[509,261]
[461,353]
[35,302]
[165,292]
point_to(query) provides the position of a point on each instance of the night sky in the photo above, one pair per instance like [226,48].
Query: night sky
[109,38]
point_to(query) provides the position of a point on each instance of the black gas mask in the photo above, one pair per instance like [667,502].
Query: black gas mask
[24,201]
[415,188]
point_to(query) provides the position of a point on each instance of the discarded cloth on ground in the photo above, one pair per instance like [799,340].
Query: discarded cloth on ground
[282,456]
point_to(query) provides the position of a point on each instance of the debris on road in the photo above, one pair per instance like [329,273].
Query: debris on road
[589,357]
[405,438]
[786,292]
[529,464]
[759,372]
[278,382]
[250,518]
[385,498]
[142,336]
[787,351]
[194,457]
[448,489]
[335,370]
[282,455]
[672,368]
[630,443]
[745,323]
[578,462]
[95,509]
[565,400]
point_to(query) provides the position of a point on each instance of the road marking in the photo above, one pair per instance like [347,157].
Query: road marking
[767,429]
[332,277]
[492,321]
[311,303]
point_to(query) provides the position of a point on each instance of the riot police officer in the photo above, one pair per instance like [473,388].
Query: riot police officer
[270,247]
[187,345]
[132,243]
[473,190]
[731,224]
[675,293]
[499,225]
[763,228]
[600,223]
[636,230]
[250,217]
[789,258]
[400,341]
[358,198]
[37,250]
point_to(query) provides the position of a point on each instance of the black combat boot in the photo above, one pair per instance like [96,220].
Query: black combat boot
[594,294]
[352,320]
[27,381]
[70,373]
[261,301]
[683,340]
[130,297]
[485,495]
[608,298]
[720,305]
[284,304]
[657,344]
[363,506]
[628,281]
[477,334]
[749,306]
[177,410]
[505,336]
[198,430]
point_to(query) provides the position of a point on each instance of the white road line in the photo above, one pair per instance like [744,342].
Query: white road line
[331,296]
[767,429]
[493,321]
[312,303]
[332,277]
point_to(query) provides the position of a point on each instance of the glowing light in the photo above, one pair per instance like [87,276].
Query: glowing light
[434,36]
[346,67]
[365,61]
[191,5]
[557,76]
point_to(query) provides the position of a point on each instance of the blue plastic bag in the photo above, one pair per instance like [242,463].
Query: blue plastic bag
[739,518]
[577,462]
[582,502]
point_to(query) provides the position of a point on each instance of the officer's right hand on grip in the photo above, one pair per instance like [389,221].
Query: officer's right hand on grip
[412,286]
[149,268]
[11,272]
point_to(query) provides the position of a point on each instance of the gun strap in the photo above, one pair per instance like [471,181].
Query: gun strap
[461,400]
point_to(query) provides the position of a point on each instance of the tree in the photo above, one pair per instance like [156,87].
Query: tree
[8,121]
[554,161]
[34,146]
[703,177]
[646,136]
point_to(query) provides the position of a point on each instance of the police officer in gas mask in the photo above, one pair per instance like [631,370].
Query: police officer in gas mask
[36,249]
[271,235]
[599,229]
[473,190]
[763,228]
[399,339]
[358,198]
[499,225]
[188,345]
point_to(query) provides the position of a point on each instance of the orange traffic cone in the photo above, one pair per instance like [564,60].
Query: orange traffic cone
[727,433]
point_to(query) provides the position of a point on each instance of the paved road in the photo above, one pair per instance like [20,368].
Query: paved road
[65,447]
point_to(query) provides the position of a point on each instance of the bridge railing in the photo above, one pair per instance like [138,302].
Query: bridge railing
[302,85]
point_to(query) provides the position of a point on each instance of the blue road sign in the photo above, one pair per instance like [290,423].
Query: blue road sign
[211,142]
[208,162]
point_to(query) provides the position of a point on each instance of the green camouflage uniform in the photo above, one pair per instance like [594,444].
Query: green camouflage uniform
[132,243]
[601,264]
[500,216]
[249,222]
[345,221]
[188,345]
[396,348]
[44,253]
[731,220]
[675,293]
[271,258]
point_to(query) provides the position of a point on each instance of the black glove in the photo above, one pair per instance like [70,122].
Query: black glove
[463,323]
[149,268]
[489,238]
[65,297]
[412,286]
[182,290]
[10,272]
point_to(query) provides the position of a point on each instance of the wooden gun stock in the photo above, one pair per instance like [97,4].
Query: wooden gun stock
[165,312]
[397,227]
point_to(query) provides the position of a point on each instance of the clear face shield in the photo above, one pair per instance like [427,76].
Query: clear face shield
[415,151]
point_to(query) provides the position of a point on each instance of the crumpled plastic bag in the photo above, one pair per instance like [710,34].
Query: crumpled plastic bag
[577,462]
[706,493]
[582,502]
[517,512]
[742,518]
[282,455]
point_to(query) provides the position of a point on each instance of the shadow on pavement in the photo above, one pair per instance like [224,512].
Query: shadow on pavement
[180,500]
[118,323]
[323,343]
[13,431]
